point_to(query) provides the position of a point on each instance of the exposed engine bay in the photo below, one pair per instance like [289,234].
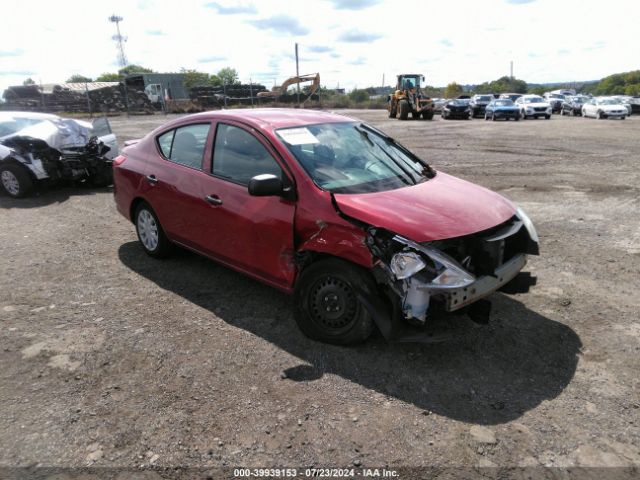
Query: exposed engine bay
[451,274]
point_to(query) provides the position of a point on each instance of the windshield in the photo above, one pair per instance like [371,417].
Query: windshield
[607,101]
[533,100]
[484,98]
[556,95]
[353,158]
[12,125]
[504,103]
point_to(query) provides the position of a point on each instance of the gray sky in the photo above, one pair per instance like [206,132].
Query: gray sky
[350,42]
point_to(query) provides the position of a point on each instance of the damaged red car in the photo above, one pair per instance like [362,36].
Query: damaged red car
[360,230]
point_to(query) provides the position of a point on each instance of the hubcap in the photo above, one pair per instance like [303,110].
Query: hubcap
[333,304]
[148,230]
[10,182]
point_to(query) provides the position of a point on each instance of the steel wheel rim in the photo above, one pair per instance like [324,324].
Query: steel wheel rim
[148,230]
[10,182]
[333,305]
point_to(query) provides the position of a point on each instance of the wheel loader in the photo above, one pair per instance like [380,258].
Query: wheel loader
[409,99]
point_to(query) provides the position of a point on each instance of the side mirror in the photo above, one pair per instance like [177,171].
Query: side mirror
[265,185]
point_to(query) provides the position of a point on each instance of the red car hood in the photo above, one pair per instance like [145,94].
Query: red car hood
[443,207]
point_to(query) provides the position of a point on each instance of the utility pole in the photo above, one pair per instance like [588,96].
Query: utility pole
[119,39]
[297,75]
[511,71]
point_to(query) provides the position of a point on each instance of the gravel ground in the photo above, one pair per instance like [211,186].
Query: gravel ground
[112,359]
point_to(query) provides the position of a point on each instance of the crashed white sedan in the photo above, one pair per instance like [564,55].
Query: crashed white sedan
[40,148]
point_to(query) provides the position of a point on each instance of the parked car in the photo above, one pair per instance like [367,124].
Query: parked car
[502,108]
[359,229]
[626,101]
[555,100]
[601,108]
[39,148]
[478,104]
[457,108]
[511,96]
[572,105]
[533,106]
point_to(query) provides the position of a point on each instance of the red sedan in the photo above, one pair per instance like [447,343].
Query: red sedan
[361,231]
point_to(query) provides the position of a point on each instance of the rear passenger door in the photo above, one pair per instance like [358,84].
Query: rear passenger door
[175,181]
[252,234]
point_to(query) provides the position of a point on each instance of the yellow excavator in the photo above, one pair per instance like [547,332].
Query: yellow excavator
[409,99]
[282,89]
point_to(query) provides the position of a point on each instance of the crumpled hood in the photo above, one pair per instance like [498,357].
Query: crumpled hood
[443,207]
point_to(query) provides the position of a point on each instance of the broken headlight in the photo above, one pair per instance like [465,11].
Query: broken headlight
[528,224]
[405,264]
[449,273]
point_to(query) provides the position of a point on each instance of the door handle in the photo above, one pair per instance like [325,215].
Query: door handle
[152,179]
[213,200]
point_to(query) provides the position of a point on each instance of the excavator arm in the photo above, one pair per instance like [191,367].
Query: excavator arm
[282,90]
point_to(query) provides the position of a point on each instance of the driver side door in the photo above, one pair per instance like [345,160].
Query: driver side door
[251,234]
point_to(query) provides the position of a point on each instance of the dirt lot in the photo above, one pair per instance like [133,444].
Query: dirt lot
[110,358]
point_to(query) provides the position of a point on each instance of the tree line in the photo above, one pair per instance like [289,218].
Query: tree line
[627,83]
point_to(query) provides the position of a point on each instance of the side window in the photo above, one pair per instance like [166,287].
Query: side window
[239,156]
[185,145]
[164,141]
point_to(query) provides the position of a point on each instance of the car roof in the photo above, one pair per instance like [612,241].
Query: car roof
[4,116]
[273,118]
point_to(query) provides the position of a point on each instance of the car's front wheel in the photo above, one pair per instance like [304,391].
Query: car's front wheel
[150,232]
[15,180]
[326,304]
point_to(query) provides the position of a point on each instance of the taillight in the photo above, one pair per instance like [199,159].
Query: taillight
[119,160]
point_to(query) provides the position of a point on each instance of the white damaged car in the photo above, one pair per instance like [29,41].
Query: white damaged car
[533,106]
[601,108]
[38,148]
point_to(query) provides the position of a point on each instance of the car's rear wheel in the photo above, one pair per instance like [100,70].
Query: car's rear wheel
[326,305]
[150,232]
[15,180]
[600,115]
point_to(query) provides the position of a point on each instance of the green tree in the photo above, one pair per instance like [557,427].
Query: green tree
[193,78]
[228,76]
[108,77]
[28,81]
[453,90]
[214,80]
[359,96]
[78,79]
[129,69]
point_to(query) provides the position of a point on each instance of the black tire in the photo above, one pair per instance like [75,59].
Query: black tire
[622,117]
[405,108]
[326,306]
[524,116]
[393,109]
[416,115]
[516,117]
[547,117]
[102,177]
[163,246]
[427,115]
[15,180]
[600,115]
